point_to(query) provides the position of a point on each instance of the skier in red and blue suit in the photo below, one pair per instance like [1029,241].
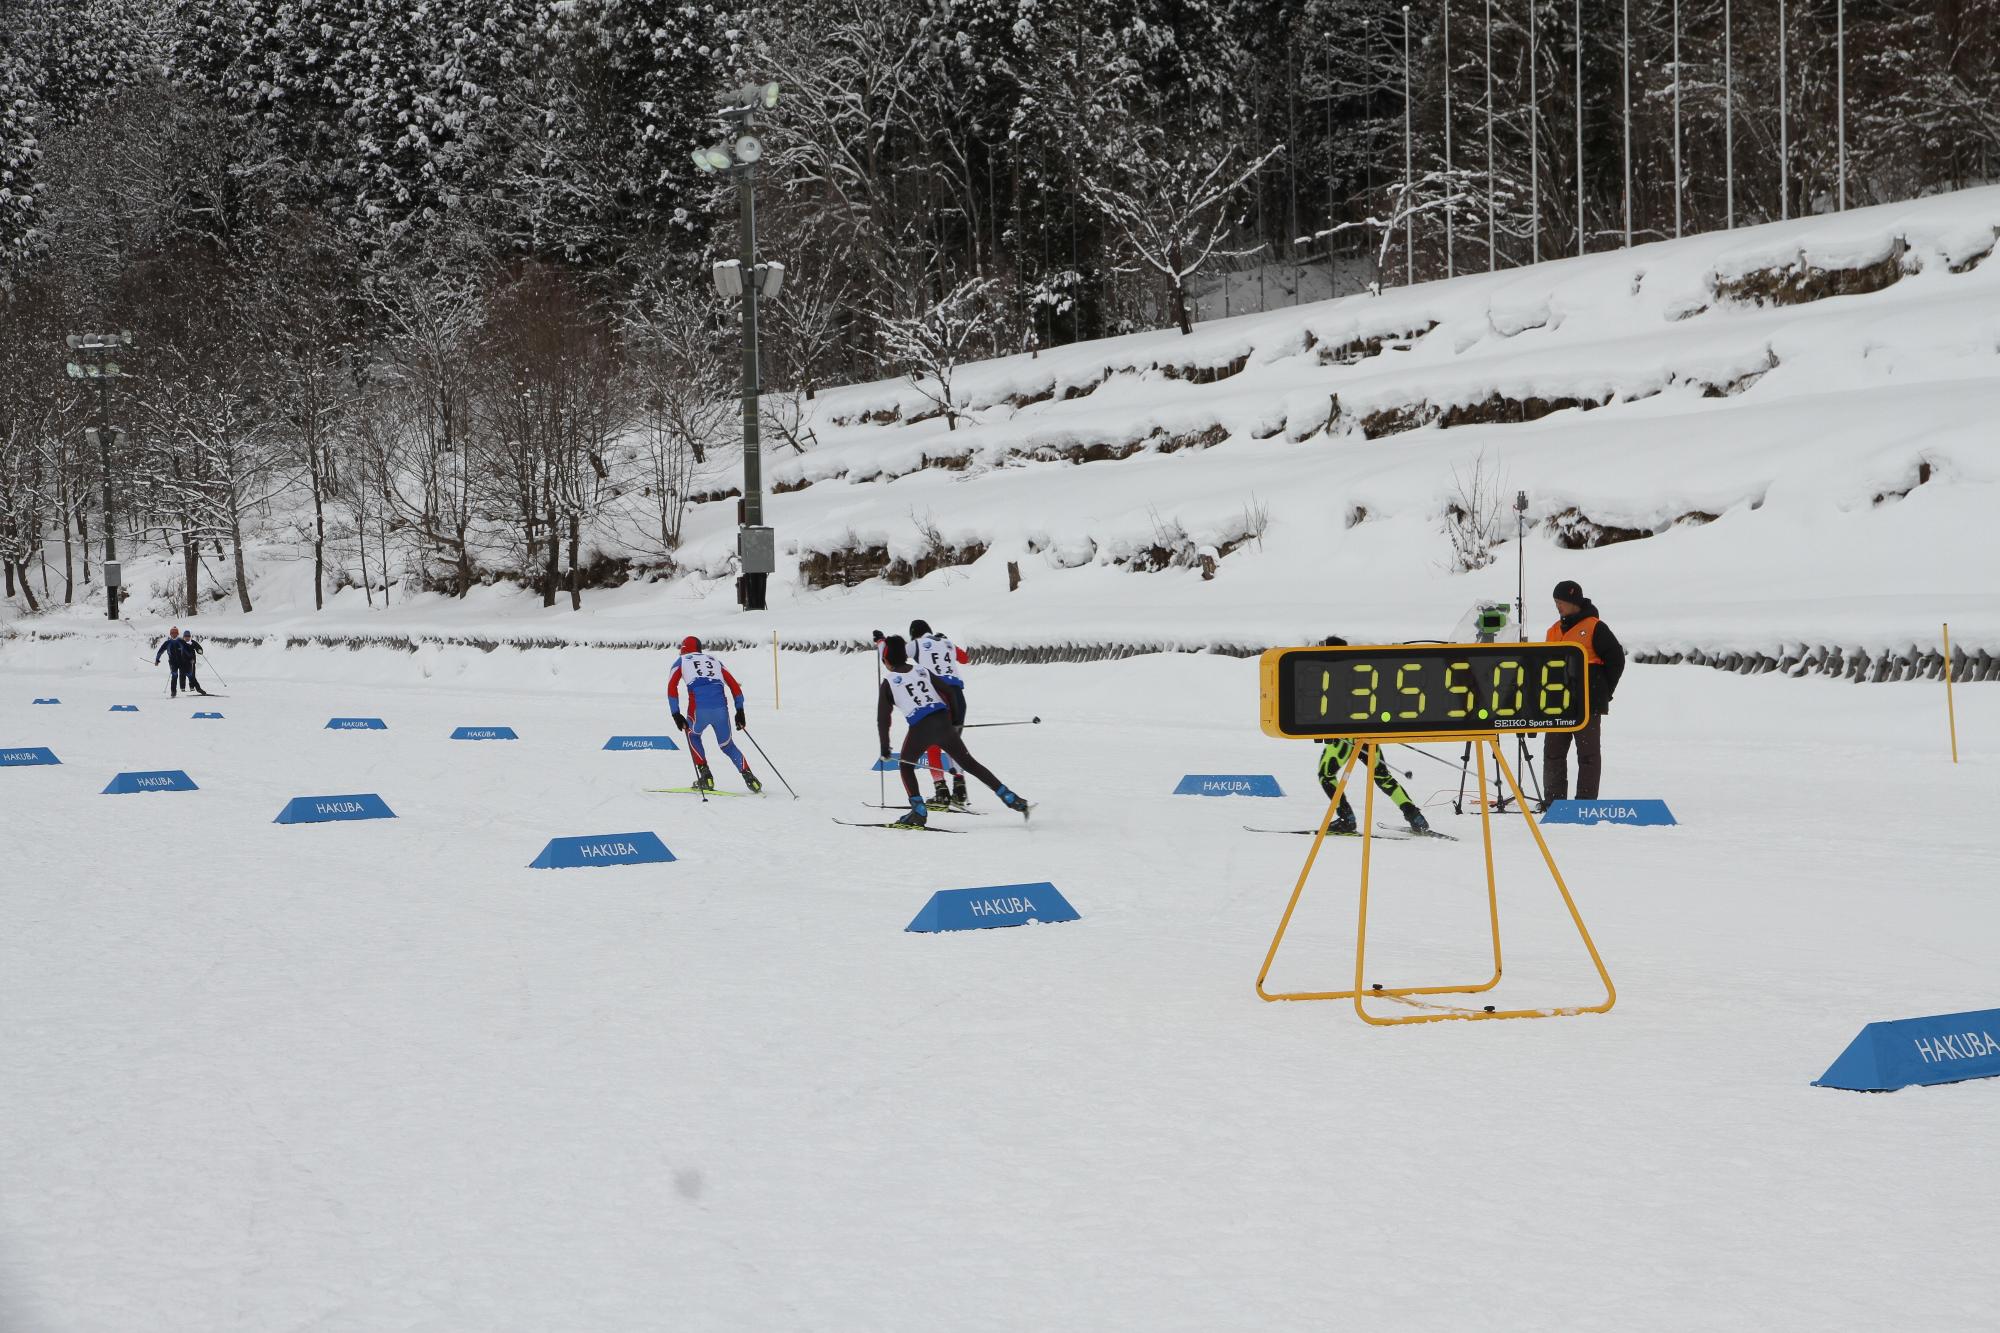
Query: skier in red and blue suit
[707,678]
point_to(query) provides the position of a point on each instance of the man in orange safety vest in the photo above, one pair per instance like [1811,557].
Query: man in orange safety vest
[1578,622]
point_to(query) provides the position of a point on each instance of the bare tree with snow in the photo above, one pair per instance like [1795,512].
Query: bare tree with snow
[1168,201]
[930,346]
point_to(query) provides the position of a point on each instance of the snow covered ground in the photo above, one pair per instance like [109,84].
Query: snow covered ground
[382,1075]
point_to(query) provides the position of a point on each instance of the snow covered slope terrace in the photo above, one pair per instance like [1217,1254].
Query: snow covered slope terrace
[1775,443]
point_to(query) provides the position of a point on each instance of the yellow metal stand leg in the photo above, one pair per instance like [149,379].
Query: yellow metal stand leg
[1438,1014]
[1365,754]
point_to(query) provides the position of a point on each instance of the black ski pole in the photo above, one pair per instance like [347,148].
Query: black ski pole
[1029,723]
[767,761]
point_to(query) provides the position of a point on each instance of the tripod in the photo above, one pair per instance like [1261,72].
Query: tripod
[1523,760]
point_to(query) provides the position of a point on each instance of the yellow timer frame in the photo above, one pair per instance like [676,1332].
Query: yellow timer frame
[1285,716]
[1424,691]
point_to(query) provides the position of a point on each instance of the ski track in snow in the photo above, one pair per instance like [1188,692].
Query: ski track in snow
[383,1076]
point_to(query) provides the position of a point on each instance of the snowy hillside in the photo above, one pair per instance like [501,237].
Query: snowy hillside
[1770,441]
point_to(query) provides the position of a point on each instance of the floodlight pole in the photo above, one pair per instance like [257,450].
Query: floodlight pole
[96,348]
[755,547]
[753,458]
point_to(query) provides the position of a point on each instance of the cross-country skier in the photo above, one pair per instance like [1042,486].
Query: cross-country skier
[908,688]
[942,658]
[706,680]
[180,663]
[194,652]
[1333,757]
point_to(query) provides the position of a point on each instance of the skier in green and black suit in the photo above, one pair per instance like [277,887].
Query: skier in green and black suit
[1333,758]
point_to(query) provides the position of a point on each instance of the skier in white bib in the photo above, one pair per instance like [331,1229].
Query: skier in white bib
[942,659]
[909,689]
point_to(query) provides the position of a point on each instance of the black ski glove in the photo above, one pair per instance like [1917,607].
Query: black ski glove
[878,636]
[741,723]
[680,722]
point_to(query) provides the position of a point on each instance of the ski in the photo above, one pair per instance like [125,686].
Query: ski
[935,809]
[1383,835]
[1384,830]
[902,828]
[694,791]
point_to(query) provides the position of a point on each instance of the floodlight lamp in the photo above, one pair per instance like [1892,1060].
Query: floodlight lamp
[768,95]
[90,436]
[700,156]
[773,279]
[728,277]
[719,158]
[748,149]
[74,371]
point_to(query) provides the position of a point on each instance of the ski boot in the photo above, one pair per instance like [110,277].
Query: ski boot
[941,798]
[917,818]
[1418,824]
[750,779]
[703,779]
[1343,824]
[1013,801]
[959,796]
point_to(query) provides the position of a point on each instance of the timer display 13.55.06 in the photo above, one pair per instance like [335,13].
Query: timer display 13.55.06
[1425,689]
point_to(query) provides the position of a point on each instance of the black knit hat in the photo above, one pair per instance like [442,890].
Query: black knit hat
[1569,590]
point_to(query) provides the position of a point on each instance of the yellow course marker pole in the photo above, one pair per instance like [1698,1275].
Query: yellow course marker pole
[1950,709]
[775,705]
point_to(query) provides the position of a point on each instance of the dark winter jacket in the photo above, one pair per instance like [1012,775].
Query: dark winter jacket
[179,654]
[1605,673]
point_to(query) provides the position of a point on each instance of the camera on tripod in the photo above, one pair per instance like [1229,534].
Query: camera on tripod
[1486,622]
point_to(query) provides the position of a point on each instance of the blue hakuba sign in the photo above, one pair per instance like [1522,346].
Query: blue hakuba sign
[1228,784]
[985,909]
[326,809]
[23,756]
[1945,1048]
[641,743]
[886,766]
[48,701]
[605,849]
[216,716]
[1598,810]
[170,779]
[124,708]
[484,734]
[356,724]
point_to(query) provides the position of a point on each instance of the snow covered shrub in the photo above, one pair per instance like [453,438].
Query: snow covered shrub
[1472,518]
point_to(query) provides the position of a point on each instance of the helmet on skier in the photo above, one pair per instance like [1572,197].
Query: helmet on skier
[174,633]
[919,628]
[690,644]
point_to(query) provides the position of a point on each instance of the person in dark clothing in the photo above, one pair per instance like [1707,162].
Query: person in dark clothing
[1578,622]
[180,662]
[909,689]
[194,652]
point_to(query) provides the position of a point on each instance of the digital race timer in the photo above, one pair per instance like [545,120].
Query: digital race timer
[1423,690]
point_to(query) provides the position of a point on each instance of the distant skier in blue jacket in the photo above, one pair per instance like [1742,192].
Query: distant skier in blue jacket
[179,653]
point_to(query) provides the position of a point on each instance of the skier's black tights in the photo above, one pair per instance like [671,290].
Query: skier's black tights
[937,730]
